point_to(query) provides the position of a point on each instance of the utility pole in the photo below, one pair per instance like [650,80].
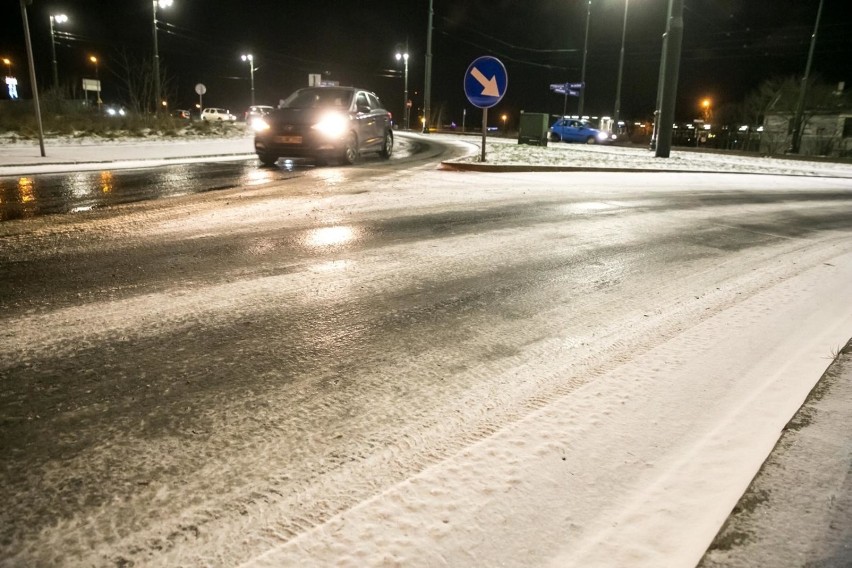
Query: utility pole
[668,98]
[32,73]
[427,90]
[583,68]
[800,105]
[617,113]
[660,80]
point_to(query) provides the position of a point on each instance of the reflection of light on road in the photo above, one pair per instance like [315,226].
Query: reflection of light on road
[257,177]
[82,209]
[330,236]
[331,175]
[332,266]
[106,182]
[26,190]
[79,185]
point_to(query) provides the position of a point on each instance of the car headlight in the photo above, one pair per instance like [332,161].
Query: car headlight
[332,125]
[602,135]
[259,125]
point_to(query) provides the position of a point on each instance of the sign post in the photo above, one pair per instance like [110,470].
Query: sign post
[200,89]
[485,84]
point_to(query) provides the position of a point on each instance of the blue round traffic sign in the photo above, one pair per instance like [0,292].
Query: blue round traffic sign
[485,82]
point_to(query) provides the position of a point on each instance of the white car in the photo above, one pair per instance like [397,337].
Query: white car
[217,115]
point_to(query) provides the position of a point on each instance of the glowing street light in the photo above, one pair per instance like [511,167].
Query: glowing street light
[706,111]
[55,19]
[8,63]
[405,110]
[250,59]
[94,60]
[504,118]
[157,93]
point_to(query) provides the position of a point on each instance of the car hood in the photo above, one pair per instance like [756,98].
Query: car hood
[297,116]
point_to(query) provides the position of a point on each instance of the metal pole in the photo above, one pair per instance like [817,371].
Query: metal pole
[156,63]
[800,105]
[251,66]
[484,132]
[660,81]
[617,113]
[669,94]
[405,110]
[53,53]
[32,75]
[583,69]
[427,90]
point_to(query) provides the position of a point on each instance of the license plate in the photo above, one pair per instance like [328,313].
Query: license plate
[288,139]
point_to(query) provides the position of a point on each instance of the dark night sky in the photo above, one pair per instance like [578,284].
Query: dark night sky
[730,46]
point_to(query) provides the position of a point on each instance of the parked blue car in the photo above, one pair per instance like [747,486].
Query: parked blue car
[576,130]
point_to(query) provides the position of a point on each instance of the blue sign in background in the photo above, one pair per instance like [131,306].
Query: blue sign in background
[485,82]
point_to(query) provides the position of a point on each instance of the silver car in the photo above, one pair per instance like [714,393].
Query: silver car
[325,123]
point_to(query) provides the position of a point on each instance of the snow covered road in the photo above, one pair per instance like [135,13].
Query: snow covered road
[435,369]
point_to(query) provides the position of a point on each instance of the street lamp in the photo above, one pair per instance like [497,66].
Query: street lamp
[706,112]
[94,60]
[8,63]
[250,59]
[504,118]
[405,111]
[55,19]
[617,113]
[161,4]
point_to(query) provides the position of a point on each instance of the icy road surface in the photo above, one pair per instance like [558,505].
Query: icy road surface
[418,368]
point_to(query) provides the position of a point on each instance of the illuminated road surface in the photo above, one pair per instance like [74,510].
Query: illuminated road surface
[205,378]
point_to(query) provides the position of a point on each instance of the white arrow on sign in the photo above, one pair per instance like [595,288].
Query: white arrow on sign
[489,86]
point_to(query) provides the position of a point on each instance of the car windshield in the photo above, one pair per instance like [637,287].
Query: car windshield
[319,98]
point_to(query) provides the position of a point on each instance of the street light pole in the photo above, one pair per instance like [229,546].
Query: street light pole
[427,91]
[405,111]
[669,75]
[617,113]
[58,19]
[800,104]
[94,60]
[583,68]
[157,95]
[32,74]
[250,59]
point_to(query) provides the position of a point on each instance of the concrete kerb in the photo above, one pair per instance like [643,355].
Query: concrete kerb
[516,168]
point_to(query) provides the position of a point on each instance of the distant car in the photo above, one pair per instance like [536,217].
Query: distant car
[217,115]
[181,114]
[325,123]
[575,130]
[257,111]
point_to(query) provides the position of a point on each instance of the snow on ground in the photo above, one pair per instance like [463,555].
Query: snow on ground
[83,154]
[484,505]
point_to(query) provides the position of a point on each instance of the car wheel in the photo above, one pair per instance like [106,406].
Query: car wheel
[387,146]
[590,140]
[350,150]
[267,160]
[554,137]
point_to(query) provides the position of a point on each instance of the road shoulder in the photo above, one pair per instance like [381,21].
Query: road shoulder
[798,509]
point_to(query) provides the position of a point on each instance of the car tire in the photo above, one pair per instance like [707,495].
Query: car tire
[350,149]
[554,137]
[267,160]
[590,140]
[387,146]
